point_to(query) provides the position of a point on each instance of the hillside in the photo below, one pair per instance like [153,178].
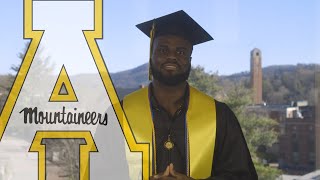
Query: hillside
[281,83]
[132,78]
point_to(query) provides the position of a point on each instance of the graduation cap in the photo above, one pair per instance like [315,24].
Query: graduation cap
[179,24]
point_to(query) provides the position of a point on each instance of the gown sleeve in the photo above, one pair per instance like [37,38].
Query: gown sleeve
[232,158]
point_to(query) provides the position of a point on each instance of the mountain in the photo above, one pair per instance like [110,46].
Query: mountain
[281,83]
[132,78]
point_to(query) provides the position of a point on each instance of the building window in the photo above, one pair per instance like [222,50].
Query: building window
[282,130]
[311,143]
[310,128]
[295,146]
[312,158]
[295,157]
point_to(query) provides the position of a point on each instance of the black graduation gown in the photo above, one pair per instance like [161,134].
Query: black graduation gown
[231,160]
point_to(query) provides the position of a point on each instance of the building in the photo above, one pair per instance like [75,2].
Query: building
[275,112]
[297,139]
[295,150]
[298,148]
[256,75]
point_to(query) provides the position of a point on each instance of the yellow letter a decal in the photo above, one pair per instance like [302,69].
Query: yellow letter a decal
[63,90]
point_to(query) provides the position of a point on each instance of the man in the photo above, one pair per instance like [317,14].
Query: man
[192,135]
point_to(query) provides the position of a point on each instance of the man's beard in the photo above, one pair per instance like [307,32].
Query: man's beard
[171,80]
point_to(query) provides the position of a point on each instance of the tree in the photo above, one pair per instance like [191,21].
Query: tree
[205,82]
[42,67]
[5,86]
[257,129]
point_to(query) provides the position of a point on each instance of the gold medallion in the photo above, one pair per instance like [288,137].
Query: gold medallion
[168,144]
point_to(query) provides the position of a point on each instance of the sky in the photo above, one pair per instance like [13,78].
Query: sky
[286,32]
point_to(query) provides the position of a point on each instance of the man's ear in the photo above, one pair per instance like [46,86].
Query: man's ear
[190,58]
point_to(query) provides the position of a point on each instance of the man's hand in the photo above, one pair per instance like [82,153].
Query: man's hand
[162,176]
[170,174]
[177,175]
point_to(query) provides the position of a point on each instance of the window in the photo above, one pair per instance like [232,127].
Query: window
[295,157]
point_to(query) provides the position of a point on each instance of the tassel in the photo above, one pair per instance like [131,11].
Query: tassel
[152,33]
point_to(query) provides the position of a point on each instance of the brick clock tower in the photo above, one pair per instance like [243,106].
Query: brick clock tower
[256,75]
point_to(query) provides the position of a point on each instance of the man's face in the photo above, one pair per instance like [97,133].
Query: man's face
[171,59]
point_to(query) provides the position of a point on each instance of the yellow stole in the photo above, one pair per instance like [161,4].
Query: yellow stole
[201,129]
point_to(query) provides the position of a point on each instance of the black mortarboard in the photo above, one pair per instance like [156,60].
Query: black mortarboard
[178,23]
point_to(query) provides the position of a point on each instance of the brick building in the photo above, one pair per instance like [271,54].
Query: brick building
[295,150]
[297,140]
